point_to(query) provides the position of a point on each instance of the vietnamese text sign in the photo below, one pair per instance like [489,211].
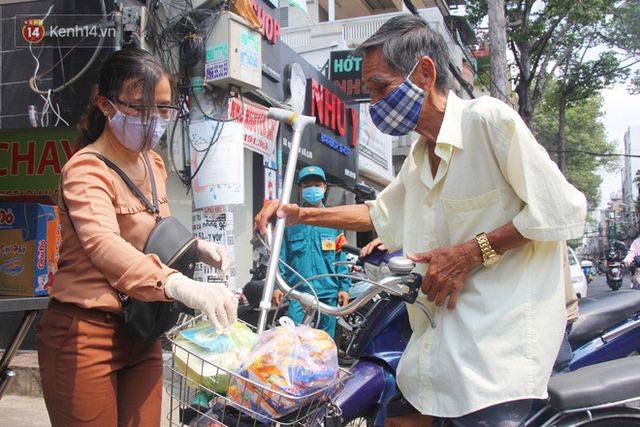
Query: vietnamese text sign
[31,160]
[259,131]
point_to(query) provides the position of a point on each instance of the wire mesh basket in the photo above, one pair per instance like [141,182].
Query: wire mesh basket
[201,396]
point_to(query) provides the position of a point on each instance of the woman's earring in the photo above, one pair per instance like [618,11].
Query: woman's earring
[105,113]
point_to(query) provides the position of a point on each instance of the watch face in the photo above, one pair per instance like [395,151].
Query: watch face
[492,260]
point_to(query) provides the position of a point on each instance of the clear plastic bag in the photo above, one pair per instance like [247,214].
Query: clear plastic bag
[289,363]
[201,352]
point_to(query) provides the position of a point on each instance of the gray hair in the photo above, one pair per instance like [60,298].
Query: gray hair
[404,40]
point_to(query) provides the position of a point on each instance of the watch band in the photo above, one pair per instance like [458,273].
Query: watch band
[488,253]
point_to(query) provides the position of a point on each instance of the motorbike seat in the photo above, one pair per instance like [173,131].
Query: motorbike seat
[612,381]
[598,315]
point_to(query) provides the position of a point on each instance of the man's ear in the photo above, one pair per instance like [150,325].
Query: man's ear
[425,74]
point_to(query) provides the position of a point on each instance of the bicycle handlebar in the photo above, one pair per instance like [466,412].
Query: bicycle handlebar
[394,285]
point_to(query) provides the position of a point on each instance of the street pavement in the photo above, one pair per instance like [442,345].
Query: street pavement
[31,411]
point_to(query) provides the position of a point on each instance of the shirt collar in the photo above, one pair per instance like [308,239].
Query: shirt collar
[451,128]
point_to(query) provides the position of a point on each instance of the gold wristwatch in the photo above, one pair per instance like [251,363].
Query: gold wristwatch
[489,256]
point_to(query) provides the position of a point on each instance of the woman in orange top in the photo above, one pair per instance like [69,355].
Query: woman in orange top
[93,373]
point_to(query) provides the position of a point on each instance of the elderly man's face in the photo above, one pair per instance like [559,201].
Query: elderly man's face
[378,76]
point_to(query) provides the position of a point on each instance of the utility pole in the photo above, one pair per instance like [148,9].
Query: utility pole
[498,50]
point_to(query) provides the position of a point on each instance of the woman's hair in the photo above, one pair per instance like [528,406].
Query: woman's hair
[124,70]
[405,39]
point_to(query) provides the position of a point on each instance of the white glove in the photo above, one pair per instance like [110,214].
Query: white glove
[215,299]
[214,255]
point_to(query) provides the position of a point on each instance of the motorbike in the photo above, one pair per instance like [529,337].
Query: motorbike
[614,275]
[608,328]
[596,393]
[614,270]
[587,267]
[374,267]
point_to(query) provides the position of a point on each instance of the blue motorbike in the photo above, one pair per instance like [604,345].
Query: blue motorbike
[608,328]
[606,333]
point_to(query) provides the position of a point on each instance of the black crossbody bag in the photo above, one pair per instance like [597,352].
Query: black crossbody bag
[175,246]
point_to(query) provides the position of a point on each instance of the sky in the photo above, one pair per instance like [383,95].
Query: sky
[622,110]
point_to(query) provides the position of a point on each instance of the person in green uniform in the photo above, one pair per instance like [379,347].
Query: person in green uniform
[312,251]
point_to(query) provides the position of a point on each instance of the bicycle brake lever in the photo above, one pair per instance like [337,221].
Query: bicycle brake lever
[412,295]
[413,286]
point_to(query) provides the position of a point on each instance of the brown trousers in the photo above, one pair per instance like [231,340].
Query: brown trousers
[93,374]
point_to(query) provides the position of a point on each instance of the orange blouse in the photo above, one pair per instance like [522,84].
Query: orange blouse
[103,255]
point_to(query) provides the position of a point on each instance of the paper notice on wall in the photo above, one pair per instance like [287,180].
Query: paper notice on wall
[219,164]
[215,224]
[259,131]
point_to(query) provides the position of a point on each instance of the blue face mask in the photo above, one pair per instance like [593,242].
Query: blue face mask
[397,113]
[313,195]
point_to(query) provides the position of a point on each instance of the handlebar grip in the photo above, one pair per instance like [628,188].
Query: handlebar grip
[351,249]
[280,114]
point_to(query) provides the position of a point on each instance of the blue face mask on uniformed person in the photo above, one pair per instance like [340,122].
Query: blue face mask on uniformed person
[397,113]
[313,195]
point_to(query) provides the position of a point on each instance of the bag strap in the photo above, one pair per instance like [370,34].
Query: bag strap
[152,207]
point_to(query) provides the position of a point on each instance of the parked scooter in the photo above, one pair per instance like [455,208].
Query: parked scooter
[608,328]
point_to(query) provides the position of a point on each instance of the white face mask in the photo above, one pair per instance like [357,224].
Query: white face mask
[130,131]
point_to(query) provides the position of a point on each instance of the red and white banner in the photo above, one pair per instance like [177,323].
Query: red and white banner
[259,131]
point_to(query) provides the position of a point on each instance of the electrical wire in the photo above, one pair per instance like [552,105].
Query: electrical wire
[591,153]
[33,80]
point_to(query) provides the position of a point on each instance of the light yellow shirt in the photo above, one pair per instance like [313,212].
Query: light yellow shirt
[500,342]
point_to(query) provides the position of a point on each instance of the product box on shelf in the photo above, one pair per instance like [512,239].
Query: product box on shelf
[29,248]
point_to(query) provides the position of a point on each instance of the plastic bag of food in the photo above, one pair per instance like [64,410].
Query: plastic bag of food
[207,358]
[287,366]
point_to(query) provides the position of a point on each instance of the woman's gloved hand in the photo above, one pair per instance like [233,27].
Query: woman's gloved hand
[215,299]
[214,255]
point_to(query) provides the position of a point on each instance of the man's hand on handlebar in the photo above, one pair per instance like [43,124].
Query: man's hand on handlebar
[369,247]
[289,211]
[449,269]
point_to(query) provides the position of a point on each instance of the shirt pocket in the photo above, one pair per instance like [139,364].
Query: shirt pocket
[465,218]
[328,246]
[297,243]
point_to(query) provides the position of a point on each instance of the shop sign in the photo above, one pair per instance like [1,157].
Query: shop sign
[346,72]
[31,160]
[270,25]
[333,113]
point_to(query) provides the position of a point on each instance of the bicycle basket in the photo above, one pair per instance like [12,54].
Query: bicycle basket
[199,396]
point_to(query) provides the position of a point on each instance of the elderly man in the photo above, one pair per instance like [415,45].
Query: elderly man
[483,210]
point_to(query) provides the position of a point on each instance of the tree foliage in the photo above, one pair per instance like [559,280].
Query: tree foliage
[585,134]
[551,37]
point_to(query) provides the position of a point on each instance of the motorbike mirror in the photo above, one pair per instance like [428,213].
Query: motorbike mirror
[586,263]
